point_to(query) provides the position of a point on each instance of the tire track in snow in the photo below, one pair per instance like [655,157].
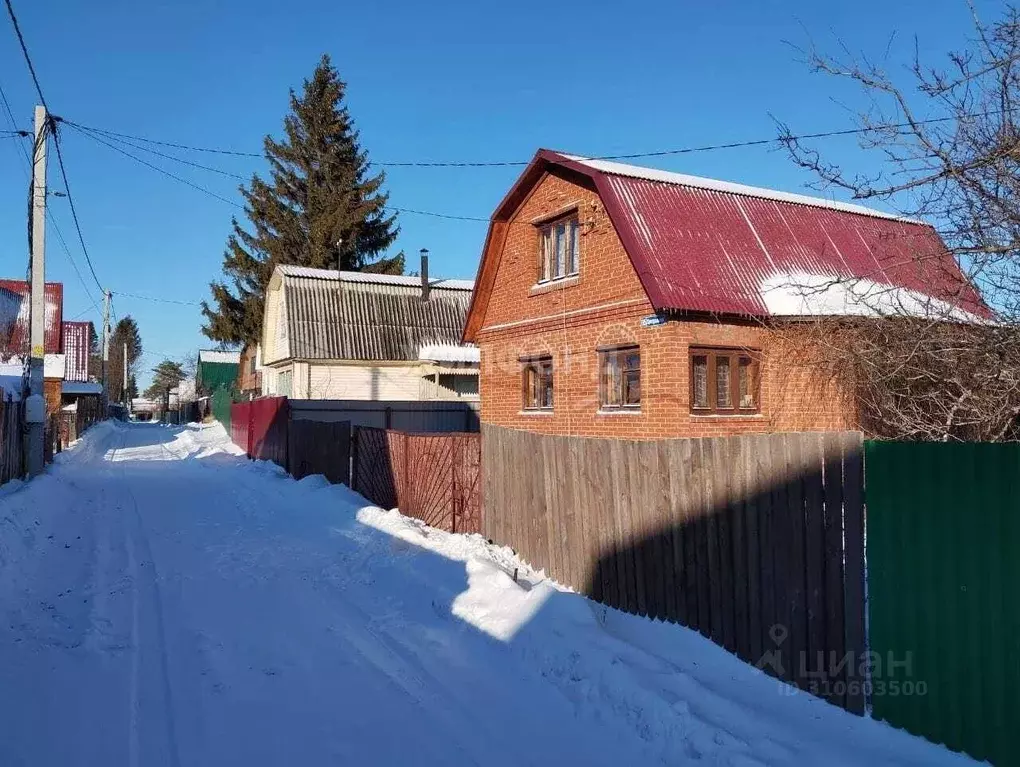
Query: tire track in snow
[160,631]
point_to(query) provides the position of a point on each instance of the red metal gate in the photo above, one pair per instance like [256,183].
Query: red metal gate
[432,477]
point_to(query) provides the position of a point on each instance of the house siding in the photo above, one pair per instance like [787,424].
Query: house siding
[365,382]
[604,307]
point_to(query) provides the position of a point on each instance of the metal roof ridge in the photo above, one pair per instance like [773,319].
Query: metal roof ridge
[700,182]
[292,270]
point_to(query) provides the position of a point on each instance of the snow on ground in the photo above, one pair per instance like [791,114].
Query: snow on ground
[166,602]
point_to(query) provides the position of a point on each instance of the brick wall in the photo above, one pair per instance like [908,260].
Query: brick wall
[604,307]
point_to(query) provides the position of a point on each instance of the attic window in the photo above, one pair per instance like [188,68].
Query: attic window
[559,248]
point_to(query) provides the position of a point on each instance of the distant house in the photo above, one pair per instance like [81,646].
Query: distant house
[77,345]
[615,300]
[216,382]
[249,373]
[15,336]
[352,335]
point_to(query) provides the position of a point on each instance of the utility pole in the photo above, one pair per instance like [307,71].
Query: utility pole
[35,405]
[124,387]
[106,348]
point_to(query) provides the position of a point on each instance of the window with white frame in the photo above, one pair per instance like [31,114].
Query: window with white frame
[559,253]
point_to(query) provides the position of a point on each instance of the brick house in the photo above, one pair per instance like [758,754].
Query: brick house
[15,331]
[614,300]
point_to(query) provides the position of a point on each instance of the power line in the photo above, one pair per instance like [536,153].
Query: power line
[156,168]
[521,163]
[70,200]
[156,299]
[51,126]
[24,50]
[204,190]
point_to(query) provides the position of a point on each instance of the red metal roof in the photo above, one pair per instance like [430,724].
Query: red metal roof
[77,345]
[713,246]
[14,322]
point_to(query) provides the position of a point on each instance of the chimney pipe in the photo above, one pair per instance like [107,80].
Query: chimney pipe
[424,274]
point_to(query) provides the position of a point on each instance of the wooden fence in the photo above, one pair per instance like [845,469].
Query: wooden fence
[432,477]
[943,579]
[11,444]
[755,541]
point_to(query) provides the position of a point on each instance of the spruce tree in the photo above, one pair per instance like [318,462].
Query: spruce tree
[320,191]
[125,331]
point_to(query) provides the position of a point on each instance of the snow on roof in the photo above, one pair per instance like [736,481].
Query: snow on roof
[229,358]
[380,279]
[450,353]
[682,179]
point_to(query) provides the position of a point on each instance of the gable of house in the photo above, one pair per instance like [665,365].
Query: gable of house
[699,245]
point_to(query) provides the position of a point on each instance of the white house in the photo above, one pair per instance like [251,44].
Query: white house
[353,335]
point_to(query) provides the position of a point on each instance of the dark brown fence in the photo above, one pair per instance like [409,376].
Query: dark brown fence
[71,424]
[755,541]
[432,477]
[11,445]
[320,448]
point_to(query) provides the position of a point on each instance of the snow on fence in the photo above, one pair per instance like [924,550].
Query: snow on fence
[432,477]
[755,541]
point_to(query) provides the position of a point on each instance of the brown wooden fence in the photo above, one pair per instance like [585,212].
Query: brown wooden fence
[11,445]
[432,477]
[755,541]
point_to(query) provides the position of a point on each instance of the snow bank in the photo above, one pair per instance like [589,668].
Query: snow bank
[683,696]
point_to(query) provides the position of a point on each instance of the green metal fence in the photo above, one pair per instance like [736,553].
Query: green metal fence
[220,403]
[943,548]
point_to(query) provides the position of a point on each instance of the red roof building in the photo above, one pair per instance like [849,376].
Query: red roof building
[77,345]
[14,318]
[618,300]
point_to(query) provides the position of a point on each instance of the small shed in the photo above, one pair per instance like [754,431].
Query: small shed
[217,377]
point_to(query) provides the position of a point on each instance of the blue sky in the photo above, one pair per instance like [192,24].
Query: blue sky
[426,81]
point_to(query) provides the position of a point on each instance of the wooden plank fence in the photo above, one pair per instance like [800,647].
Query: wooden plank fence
[11,445]
[755,541]
[432,477]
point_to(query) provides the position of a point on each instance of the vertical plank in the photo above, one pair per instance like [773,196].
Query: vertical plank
[600,469]
[835,641]
[700,544]
[738,556]
[752,444]
[670,529]
[625,548]
[677,468]
[796,596]
[778,631]
[712,501]
[723,516]
[814,553]
[853,532]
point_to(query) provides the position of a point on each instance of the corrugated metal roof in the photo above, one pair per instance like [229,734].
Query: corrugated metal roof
[368,277]
[730,187]
[14,317]
[77,344]
[340,318]
[703,245]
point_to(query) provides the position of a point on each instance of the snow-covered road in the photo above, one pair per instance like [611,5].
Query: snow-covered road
[166,602]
